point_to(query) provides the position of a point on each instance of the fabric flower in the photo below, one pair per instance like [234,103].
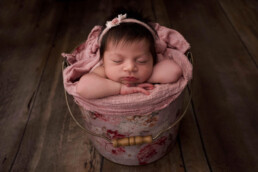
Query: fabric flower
[116,21]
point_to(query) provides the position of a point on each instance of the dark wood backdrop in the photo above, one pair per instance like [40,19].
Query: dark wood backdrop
[219,131]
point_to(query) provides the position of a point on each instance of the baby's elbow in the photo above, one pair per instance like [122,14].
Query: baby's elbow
[173,76]
[80,90]
[83,89]
[177,74]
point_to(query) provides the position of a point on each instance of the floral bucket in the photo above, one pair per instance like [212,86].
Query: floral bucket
[119,127]
[134,139]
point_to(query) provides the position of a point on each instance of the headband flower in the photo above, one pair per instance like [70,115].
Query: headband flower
[123,19]
[116,21]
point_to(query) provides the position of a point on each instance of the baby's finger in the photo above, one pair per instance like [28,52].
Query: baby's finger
[139,89]
[146,86]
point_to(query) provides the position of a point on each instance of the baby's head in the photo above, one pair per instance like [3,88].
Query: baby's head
[127,47]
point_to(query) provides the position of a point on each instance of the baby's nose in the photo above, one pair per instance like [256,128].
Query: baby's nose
[130,67]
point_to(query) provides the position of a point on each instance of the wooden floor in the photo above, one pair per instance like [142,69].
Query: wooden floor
[219,131]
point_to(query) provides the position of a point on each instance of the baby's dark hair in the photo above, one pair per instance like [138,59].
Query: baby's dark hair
[129,32]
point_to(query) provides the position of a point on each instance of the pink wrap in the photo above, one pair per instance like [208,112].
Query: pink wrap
[170,44]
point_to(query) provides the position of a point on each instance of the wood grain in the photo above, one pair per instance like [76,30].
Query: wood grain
[53,142]
[193,152]
[24,48]
[243,15]
[225,87]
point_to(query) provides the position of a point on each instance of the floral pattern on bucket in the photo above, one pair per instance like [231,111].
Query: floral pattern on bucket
[148,152]
[145,120]
[108,147]
[104,118]
[112,134]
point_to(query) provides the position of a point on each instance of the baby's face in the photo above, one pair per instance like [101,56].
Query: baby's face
[128,63]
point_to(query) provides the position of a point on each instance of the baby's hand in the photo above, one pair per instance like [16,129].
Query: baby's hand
[141,88]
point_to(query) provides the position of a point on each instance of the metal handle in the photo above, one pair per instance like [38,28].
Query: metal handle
[133,140]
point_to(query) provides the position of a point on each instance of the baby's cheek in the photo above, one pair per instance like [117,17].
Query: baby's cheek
[112,75]
[147,73]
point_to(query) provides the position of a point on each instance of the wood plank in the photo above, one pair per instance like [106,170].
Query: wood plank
[225,87]
[244,17]
[52,141]
[193,153]
[23,56]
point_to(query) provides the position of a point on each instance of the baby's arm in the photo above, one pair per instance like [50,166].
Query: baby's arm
[95,85]
[166,71]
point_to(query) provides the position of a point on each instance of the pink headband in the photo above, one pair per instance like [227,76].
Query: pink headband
[122,19]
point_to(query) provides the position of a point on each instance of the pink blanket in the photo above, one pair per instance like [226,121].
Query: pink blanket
[171,44]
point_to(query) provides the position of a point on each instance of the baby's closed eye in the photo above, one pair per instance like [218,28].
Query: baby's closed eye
[117,60]
[142,60]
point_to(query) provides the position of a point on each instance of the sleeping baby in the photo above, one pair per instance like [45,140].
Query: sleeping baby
[128,61]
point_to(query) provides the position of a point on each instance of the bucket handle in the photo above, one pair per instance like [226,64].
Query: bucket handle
[133,140]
